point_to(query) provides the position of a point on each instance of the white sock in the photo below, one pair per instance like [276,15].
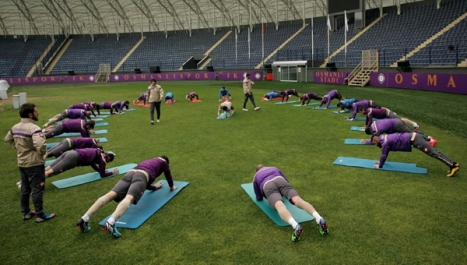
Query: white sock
[111,220]
[85,218]
[292,222]
[317,217]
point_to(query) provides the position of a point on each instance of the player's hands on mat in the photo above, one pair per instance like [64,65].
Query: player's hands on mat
[376,165]
[115,171]
[363,141]
[158,185]
[174,187]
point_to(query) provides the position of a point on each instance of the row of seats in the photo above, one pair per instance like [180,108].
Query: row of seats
[394,36]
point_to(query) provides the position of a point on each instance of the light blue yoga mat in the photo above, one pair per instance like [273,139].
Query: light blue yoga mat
[354,141]
[388,166]
[108,113]
[288,102]
[103,116]
[298,214]
[65,135]
[330,107]
[337,112]
[128,109]
[50,145]
[95,119]
[90,177]
[362,119]
[357,128]
[311,104]
[150,203]
[223,116]
[100,124]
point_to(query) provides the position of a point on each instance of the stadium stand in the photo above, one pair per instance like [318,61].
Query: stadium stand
[170,53]
[396,35]
[85,55]
[393,36]
[18,56]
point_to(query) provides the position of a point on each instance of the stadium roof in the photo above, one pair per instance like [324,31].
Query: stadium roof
[51,17]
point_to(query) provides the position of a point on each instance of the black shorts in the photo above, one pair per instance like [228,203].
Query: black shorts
[133,183]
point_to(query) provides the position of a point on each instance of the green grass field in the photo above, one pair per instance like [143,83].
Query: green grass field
[375,217]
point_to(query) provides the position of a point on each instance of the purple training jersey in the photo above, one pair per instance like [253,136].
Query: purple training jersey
[94,157]
[76,126]
[261,177]
[155,167]
[394,142]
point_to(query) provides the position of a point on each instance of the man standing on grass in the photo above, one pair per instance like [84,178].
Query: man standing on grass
[248,94]
[270,183]
[404,142]
[128,191]
[29,141]
[155,97]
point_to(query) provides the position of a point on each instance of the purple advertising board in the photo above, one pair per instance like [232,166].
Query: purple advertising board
[323,77]
[169,76]
[451,83]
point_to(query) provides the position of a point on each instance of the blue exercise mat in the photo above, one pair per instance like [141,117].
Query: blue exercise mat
[100,124]
[90,177]
[95,119]
[330,107]
[50,145]
[288,102]
[338,112]
[128,109]
[357,128]
[108,113]
[388,166]
[48,162]
[354,141]
[150,202]
[103,116]
[308,105]
[223,116]
[65,135]
[298,214]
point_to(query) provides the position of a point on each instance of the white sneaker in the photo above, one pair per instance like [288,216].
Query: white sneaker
[257,108]
[245,109]
[152,122]
[158,121]
[18,184]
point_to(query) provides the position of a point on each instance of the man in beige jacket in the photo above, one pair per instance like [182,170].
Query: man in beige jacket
[248,94]
[29,141]
[155,97]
